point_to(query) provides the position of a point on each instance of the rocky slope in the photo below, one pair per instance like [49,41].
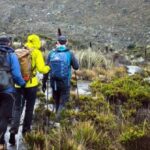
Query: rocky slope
[116,22]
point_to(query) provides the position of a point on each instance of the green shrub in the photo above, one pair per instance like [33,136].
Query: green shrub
[35,140]
[131,133]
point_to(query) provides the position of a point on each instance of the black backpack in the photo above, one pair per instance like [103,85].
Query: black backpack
[5,72]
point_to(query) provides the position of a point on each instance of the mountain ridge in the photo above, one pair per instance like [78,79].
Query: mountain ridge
[101,22]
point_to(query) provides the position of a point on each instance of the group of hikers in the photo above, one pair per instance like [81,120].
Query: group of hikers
[18,91]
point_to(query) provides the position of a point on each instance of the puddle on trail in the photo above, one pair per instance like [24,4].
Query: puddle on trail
[19,139]
[133,69]
[82,87]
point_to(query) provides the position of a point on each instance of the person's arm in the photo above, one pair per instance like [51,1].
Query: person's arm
[40,64]
[15,70]
[74,62]
[45,76]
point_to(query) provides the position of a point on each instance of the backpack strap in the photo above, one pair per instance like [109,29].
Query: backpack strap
[32,69]
[10,61]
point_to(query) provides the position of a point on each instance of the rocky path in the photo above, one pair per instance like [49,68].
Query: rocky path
[20,145]
[19,141]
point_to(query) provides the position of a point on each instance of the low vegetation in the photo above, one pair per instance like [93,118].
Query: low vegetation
[114,117]
[104,120]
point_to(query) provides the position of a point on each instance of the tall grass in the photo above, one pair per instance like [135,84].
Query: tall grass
[90,58]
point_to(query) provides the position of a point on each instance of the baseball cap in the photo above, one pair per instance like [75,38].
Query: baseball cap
[62,39]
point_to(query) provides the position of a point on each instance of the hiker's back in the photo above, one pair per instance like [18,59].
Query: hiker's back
[60,65]
[59,62]
[33,44]
[9,67]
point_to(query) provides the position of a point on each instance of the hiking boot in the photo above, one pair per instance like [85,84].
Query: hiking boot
[24,131]
[12,140]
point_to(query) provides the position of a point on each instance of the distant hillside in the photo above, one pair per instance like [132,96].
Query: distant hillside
[117,22]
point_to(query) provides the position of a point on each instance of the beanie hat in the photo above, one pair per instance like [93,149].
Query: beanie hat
[4,40]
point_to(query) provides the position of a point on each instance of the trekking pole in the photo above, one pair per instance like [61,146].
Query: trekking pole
[76,85]
[59,32]
[47,95]
[47,117]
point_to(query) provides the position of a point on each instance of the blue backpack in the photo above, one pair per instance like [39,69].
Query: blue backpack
[60,65]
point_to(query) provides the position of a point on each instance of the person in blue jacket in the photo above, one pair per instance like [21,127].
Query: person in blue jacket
[60,87]
[7,95]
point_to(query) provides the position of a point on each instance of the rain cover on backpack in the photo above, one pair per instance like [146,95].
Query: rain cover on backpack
[59,63]
[25,63]
[5,74]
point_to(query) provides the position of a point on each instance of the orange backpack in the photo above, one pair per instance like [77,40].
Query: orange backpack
[25,60]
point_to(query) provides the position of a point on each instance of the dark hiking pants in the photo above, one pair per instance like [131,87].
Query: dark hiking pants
[61,97]
[6,104]
[25,98]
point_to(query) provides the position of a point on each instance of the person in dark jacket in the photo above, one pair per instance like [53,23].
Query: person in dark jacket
[7,95]
[60,88]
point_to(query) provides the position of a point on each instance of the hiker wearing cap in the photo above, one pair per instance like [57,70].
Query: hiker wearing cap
[9,74]
[60,59]
[28,94]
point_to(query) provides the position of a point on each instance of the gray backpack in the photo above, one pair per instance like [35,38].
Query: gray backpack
[5,72]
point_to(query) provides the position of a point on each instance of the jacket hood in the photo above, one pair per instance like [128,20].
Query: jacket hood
[6,48]
[33,42]
[61,48]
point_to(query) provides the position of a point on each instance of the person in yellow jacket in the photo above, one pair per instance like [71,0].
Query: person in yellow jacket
[27,95]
